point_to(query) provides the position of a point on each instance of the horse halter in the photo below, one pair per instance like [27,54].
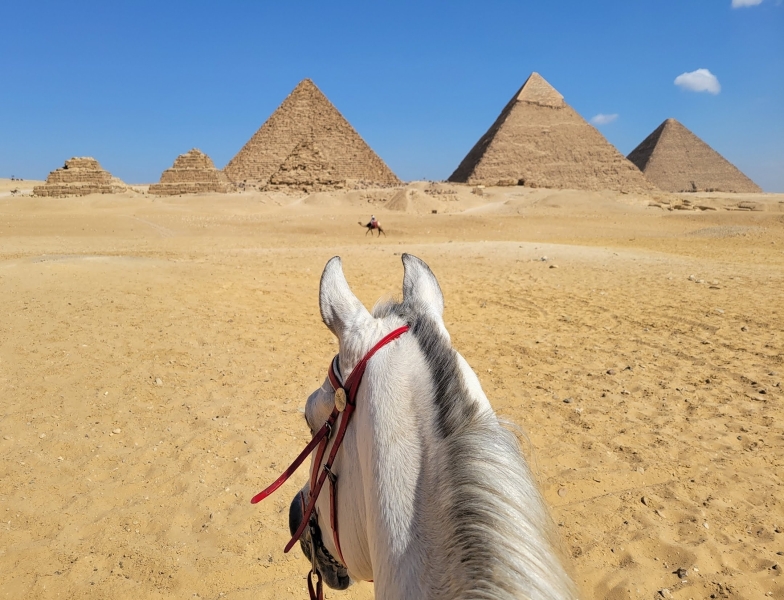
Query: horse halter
[345,404]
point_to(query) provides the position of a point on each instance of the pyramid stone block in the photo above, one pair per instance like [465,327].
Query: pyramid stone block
[538,140]
[676,160]
[192,173]
[307,144]
[79,176]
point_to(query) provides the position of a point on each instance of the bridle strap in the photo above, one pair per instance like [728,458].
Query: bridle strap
[318,592]
[320,435]
[320,441]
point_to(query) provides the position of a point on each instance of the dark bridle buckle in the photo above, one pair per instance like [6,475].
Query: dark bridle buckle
[332,477]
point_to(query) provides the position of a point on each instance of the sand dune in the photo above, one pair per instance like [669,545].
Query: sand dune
[155,354]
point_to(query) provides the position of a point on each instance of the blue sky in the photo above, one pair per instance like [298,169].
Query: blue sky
[135,83]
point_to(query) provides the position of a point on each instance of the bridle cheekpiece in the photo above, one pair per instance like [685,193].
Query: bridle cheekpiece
[344,404]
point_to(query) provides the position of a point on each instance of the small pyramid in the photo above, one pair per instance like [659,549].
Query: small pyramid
[192,173]
[676,160]
[538,140]
[307,143]
[79,176]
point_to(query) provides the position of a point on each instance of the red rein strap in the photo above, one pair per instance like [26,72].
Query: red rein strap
[321,440]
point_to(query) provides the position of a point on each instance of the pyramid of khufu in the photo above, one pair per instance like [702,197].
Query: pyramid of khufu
[307,144]
[79,176]
[538,140]
[192,173]
[676,160]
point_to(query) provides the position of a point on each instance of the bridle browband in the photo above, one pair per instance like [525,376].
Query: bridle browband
[345,404]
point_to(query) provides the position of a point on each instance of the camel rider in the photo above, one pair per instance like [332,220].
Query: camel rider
[373,222]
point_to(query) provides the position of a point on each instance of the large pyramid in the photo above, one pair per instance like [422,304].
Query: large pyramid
[80,176]
[540,141]
[191,173]
[676,160]
[307,143]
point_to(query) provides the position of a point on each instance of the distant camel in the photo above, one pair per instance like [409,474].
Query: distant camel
[373,224]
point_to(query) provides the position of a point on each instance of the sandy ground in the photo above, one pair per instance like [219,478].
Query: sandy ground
[155,355]
[17,187]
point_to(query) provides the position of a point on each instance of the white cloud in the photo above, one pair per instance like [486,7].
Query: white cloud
[700,80]
[742,3]
[601,119]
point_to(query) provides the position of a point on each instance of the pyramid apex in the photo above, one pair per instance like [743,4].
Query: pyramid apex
[537,90]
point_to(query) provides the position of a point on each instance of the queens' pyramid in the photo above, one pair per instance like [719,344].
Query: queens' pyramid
[676,160]
[538,140]
[308,144]
[191,173]
[80,176]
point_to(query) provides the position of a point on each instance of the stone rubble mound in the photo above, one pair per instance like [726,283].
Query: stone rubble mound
[79,176]
[538,140]
[192,173]
[676,160]
[307,145]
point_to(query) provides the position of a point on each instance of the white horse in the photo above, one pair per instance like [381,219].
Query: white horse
[435,499]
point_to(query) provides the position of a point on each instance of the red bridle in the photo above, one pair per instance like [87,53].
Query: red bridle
[345,404]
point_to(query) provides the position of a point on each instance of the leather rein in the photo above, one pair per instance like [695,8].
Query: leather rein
[345,404]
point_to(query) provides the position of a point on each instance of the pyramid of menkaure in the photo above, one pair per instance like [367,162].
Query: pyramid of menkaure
[307,143]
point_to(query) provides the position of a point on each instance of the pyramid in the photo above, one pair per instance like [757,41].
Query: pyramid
[676,160]
[191,173]
[538,140]
[79,176]
[307,143]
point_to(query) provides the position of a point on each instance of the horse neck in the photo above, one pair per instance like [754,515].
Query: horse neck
[457,513]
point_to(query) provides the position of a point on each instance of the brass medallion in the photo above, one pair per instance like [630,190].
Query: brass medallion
[340,399]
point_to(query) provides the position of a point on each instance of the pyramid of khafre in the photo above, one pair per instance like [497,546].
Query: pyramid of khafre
[676,160]
[79,176]
[307,143]
[538,140]
[191,173]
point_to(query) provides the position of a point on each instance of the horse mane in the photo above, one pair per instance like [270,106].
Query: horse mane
[496,536]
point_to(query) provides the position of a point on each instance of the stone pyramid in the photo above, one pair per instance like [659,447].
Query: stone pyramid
[676,160]
[307,144]
[538,140]
[191,173]
[79,176]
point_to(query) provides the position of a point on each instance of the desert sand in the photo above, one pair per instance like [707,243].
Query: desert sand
[156,353]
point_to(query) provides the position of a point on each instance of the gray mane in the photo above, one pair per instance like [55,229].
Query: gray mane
[485,514]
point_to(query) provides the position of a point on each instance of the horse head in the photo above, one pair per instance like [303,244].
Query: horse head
[429,495]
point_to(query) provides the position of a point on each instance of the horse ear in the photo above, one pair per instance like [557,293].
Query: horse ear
[338,304]
[420,287]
